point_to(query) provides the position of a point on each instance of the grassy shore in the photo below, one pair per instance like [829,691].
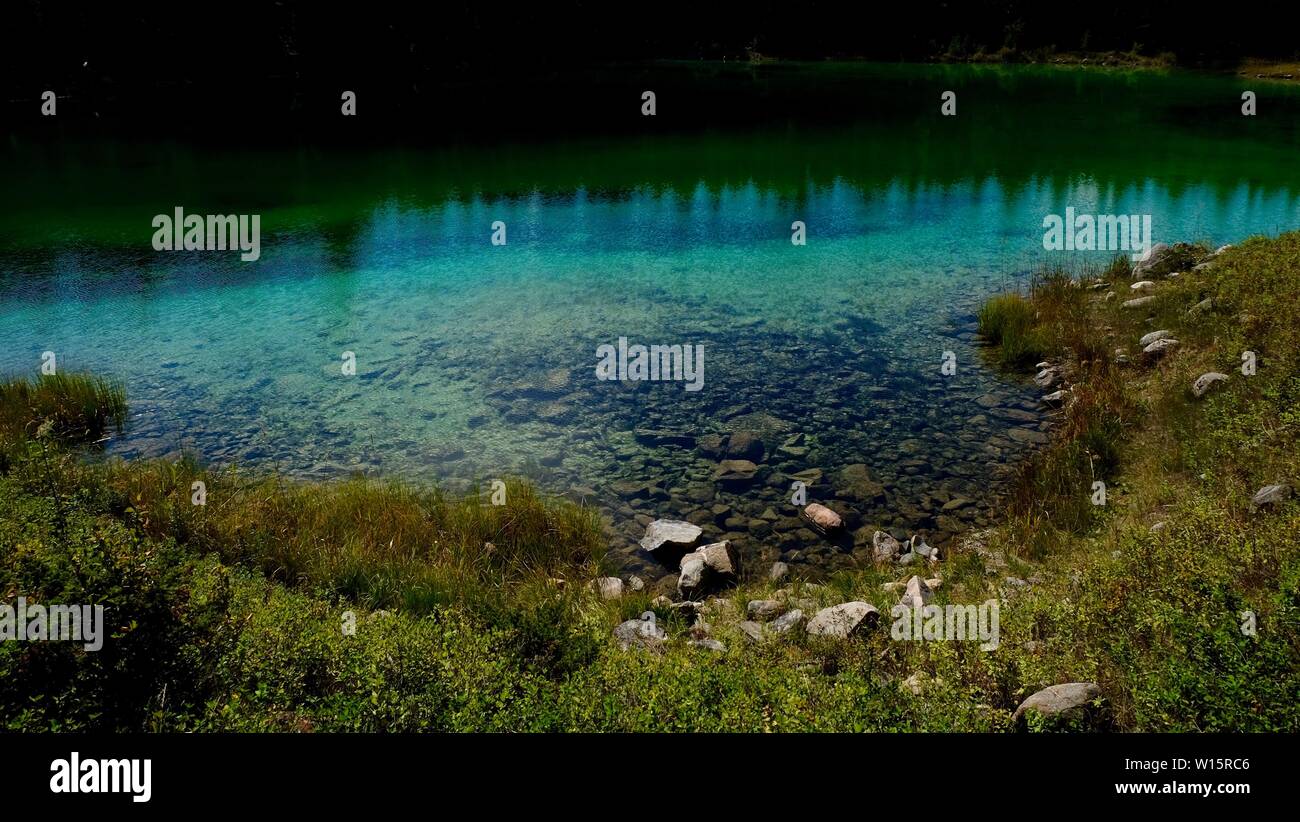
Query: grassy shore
[234,615]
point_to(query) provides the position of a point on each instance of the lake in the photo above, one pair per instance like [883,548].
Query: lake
[475,361]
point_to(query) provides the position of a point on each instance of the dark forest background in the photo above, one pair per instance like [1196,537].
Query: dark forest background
[231,66]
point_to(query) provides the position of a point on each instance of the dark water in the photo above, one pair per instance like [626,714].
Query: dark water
[474,361]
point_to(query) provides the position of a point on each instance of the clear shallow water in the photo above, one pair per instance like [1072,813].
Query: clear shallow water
[475,361]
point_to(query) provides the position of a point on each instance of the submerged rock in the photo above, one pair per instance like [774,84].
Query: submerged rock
[648,436]
[855,482]
[746,445]
[823,518]
[735,473]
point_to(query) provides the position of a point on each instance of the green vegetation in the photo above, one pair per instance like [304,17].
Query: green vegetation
[78,407]
[231,615]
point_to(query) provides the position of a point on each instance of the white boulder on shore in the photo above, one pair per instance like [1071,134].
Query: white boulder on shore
[1205,382]
[843,621]
[1057,699]
[640,633]
[669,536]
[707,567]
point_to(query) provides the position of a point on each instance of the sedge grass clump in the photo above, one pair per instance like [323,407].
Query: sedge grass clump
[384,544]
[77,407]
[1007,320]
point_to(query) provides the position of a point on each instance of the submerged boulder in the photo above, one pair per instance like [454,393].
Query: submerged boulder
[822,518]
[735,473]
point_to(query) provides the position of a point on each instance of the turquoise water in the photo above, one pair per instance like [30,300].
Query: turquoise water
[475,361]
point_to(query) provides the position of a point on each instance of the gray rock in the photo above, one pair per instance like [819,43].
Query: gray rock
[667,537]
[920,547]
[709,644]
[607,587]
[1142,285]
[1201,308]
[1058,699]
[640,633]
[707,567]
[1269,495]
[843,621]
[1147,339]
[690,575]
[885,547]
[1056,398]
[787,621]
[1160,347]
[917,594]
[779,572]
[1137,302]
[1205,382]
[752,631]
[721,559]
[1150,260]
[763,610]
